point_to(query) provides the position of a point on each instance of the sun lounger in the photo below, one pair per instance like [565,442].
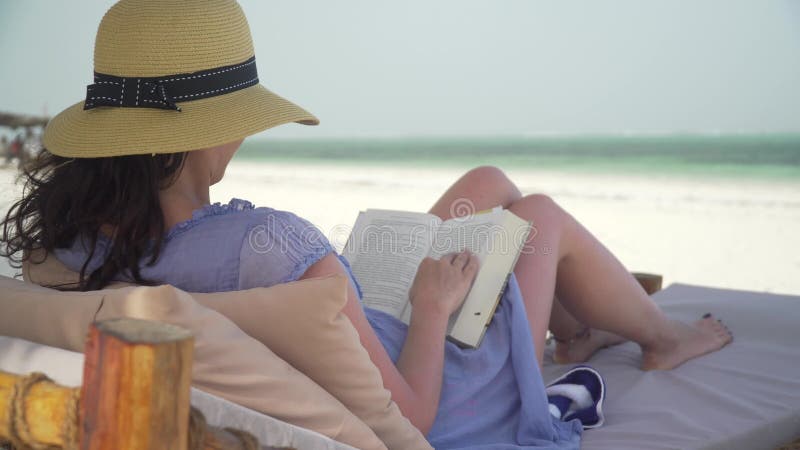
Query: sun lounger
[746,396]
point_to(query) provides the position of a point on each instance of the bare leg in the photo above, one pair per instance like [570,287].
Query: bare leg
[486,187]
[598,291]
[592,284]
[576,342]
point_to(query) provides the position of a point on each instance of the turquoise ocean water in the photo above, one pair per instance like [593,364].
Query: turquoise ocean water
[763,157]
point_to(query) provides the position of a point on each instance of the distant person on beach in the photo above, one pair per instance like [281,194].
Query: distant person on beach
[5,150]
[122,193]
[15,149]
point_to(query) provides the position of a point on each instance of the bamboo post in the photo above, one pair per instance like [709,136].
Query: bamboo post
[45,410]
[136,380]
[50,414]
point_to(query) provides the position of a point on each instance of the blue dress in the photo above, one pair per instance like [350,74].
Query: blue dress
[492,397]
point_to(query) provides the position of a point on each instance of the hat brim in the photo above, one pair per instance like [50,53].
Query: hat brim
[111,131]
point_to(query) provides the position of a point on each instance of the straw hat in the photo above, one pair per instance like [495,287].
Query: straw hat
[170,76]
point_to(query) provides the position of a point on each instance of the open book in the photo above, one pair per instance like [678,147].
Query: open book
[386,247]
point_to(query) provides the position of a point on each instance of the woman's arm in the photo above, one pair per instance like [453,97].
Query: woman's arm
[439,289]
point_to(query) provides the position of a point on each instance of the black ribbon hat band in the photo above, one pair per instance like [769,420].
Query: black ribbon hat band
[164,92]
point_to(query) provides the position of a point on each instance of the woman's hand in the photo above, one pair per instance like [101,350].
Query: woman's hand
[441,285]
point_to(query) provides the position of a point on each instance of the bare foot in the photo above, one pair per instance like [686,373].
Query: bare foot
[688,341]
[581,349]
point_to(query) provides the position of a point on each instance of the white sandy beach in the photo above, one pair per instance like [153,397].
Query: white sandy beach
[732,234]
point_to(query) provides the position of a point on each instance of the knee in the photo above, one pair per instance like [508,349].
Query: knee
[492,179]
[539,206]
[540,200]
[489,173]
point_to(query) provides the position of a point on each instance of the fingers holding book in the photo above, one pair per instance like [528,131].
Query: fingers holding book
[463,259]
[440,286]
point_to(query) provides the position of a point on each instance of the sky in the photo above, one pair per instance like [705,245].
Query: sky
[470,67]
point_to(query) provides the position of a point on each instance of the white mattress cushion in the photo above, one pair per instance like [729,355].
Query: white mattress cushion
[745,396]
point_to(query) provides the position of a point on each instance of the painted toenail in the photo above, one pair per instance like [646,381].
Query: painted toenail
[706,315]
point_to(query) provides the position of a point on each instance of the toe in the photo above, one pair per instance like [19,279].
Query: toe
[708,323]
[710,318]
[725,334]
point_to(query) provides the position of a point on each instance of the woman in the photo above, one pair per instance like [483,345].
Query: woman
[123,193]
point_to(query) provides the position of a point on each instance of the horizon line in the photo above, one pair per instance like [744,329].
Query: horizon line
[538,135]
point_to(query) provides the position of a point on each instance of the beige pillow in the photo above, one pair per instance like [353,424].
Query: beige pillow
[230,364]
[47,316]
[302,323]
[227,362]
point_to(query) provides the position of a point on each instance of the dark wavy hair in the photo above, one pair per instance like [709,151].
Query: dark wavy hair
[65,198]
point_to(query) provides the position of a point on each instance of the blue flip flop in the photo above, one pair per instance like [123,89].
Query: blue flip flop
[578,394]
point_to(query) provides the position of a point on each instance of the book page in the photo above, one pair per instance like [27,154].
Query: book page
[384,251]
[474,234]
